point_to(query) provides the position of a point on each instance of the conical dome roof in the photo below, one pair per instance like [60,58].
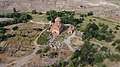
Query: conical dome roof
[58,19]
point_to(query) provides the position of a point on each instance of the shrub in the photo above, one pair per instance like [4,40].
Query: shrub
[15,28]
[40,13]
[34,12]
[2,31]
[39,51]
[108,39]
[37,29]
[114,57]
[98,58]
[117,41]
[90,13]
[114,44]
[82,15]
[110,31]
[118,48]
[45,50]
[104,48]
[115,31]
[53,54]
[99,38]
[2,37]
[90,20]
[104,65]
[117,28]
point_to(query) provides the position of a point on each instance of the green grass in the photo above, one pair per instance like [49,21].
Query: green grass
[39,18]
[98,20]
[110,24]
[43,39]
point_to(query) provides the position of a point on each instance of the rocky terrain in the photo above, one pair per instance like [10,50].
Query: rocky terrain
[103,8]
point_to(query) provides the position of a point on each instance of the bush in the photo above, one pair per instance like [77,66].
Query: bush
[90,13]
[15,28]
[39,51]
[118,48]
[53,54]
[45,50]
[99,38]
[98,58]
[104,48]
[115,31]
[2,37]
[2,31]
[117,28]
[82,15]
[37,29]
[114,57]
[34,12]
[110,31]
[104,65]
[117,41]
[108,39]
[113,44]
[40,13]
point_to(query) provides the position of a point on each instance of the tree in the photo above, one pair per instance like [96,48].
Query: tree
[85,53]
[45,50]
[118,48]
[104,48]
[15,28]
[104,65]
[0,49]
[34,12]
[40,13]
[104,28]
[71,64]
[14,10]
[76,54]
[90,13]
[51,12]
[98,58]
[53,54]
[108,39]
[82,15]
[2,31]
[2,37]
[93,26]
[117,41]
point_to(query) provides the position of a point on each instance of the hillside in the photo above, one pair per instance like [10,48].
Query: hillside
[104,8]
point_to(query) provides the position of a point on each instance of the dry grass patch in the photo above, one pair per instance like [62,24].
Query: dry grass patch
[39,18]
[77,42]
[22,43]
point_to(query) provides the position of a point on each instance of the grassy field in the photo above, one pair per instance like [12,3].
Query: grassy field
[39,18]
[22,43]
[43,39]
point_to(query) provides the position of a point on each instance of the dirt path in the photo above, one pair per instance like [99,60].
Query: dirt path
[23,60]
[68,43]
